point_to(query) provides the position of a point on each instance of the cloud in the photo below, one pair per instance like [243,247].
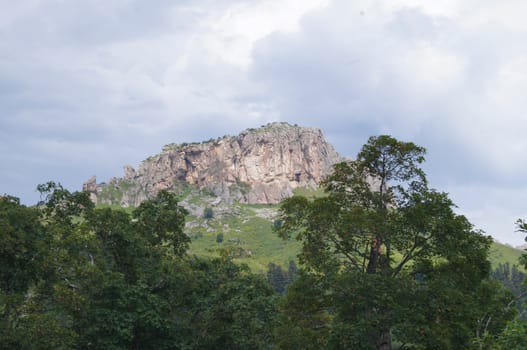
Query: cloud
[88,86]
[448,76]
[405,71]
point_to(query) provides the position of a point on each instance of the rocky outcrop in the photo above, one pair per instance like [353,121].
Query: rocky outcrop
[261,165]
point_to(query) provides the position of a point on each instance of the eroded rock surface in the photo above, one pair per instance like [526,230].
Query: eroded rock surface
[261,165]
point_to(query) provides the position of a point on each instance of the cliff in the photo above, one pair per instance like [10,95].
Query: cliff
[261,165]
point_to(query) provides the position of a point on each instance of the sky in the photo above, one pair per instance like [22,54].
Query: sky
[88,86]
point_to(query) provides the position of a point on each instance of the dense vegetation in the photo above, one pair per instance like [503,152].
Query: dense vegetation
[74,276]
[384,263]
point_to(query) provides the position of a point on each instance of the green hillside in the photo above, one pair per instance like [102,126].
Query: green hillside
[247,235]
[247,232]
[502,253]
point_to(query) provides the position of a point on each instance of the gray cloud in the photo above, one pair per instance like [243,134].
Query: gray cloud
[358,70]
[405,72]
[89,86]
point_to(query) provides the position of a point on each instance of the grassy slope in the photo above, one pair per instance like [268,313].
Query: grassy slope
[501,253]
[256,234]
[249,237]
[247,232]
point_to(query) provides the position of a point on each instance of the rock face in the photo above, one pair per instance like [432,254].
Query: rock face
[261,165]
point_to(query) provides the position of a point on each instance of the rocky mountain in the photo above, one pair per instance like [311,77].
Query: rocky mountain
[262,165]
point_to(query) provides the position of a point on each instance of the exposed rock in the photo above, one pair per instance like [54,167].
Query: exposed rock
[261,165]
[266,213]
[91,186]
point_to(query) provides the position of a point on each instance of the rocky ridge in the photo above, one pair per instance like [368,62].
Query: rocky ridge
[259,166]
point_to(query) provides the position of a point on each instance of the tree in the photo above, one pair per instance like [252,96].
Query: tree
[522,227]
[386,244]
[304,319]
[514,280]
[513,337]
[208,213]
[22,265]
[78,277]
[29,261]
[111,272]
[222,305]
[280,279]
[161,220]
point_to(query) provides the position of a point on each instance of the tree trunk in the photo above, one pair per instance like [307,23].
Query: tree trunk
[375,253]
[384,341]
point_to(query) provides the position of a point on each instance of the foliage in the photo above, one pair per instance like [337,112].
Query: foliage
[75,276]
[161,220]
[383,257]
[280,279]
[230,307]
[514,280]
[513,337]
[522,227]
[208,213]
[22,264]
[304,319]
[395,259]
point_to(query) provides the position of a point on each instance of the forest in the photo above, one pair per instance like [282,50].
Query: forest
[385,263]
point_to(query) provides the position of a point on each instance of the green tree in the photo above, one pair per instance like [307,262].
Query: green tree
[522,227]
[208,213]
[99,278]
[304,317]
[27,264]
[514,280]
[385,246]
[20,264]
[513,337]
[161,221]
[225,306]
[111,272]
[279,278]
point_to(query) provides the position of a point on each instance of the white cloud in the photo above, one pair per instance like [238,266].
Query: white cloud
[233,33]
[448,75]
[121,78]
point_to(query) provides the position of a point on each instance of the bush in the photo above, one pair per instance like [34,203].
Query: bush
[208,213]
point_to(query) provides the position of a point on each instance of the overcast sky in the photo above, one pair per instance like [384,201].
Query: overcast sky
[88,86]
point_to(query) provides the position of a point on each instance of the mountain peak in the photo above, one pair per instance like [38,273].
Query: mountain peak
[261,165]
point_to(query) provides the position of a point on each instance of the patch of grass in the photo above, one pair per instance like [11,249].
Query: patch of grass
[111,193]
[248,232]
[309,192]
[182,188]
[502,253]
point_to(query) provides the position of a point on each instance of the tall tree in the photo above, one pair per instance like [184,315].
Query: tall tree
[522,227]
[386,244]
[27,263]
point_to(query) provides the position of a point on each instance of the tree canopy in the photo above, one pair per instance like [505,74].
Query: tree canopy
[78,277]
[392,258]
